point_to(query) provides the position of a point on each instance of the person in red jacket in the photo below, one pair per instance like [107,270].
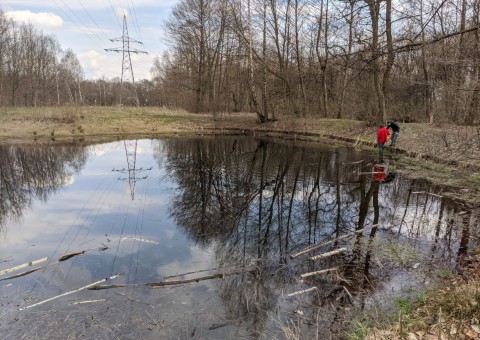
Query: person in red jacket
[382,137]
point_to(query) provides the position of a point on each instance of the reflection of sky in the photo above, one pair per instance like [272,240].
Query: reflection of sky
[96,208]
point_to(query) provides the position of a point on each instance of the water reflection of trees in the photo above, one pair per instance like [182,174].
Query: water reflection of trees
[34,172]
[258,202]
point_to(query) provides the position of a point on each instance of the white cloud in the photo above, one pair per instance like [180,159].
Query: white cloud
[92,59]
[120,12]
[42,19]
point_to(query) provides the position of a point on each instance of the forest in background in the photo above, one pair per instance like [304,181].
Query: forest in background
[364,59]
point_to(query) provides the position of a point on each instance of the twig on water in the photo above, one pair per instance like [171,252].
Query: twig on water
[303,291]
[24,265]
[330,253]
[68,256]
[71,292]
[21,274]
[102,287]
[318,272]
[316,246]
[202,278]
[87,301]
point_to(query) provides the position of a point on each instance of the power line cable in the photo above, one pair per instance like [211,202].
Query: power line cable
[114,14]
[72,21]
[93,20]
[136,21]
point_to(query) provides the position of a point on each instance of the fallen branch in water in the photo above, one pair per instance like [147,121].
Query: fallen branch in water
[68,256]
[330,253]
[71,292]
[202,278]
[318,272]
[21,274]
[87,301]
[21,266]
[316,246]
[302,291]
[101,287]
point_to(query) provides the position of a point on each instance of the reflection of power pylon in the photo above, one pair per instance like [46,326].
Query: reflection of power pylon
[127,69]
[131,154]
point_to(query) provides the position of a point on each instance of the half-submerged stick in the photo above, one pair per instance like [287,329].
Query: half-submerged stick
[330,253]
[21,266]
[318,272]
[302,291]
[22,274]
[71,292]
[316,246]
[202,278]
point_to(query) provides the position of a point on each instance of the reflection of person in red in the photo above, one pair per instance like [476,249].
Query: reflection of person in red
[382,136]
[379,173]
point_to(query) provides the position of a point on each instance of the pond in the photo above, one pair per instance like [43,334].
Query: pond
[214,238]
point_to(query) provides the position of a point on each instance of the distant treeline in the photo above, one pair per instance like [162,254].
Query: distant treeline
[35,71]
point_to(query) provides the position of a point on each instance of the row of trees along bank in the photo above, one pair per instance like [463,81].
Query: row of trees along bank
[369,59]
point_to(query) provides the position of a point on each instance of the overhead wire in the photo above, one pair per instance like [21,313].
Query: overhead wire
[73,21]
[93,20]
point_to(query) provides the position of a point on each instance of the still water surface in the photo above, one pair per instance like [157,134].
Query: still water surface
[229,211]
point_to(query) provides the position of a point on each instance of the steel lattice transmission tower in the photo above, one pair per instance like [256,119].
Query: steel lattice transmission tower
[127,69]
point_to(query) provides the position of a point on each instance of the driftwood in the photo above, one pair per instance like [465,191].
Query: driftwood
[302,291]
[71,292]
[69,256]
[25,265]
[87,301]
[330,253]
[316,246]
[202,278]
[318,272]
[101,287]
[22,274]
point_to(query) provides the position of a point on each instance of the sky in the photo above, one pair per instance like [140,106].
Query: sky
[86,27]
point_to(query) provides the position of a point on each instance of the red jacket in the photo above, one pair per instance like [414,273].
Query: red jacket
[382,135]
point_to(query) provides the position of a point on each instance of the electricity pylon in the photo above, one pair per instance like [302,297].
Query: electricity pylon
[127,69]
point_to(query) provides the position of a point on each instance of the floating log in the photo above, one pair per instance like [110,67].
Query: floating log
[316,246]
[330,253]
[71,292]
[303,291]
[318,272]
[22,274]
[25,265]
[69,256]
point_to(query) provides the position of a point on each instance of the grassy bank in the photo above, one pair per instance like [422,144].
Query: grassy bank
[449,156]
